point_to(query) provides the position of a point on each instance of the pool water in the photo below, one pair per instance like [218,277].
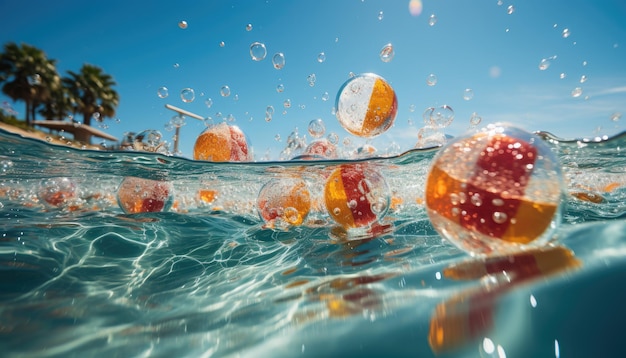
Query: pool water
[209,278]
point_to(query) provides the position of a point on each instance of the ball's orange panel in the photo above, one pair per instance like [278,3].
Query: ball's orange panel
[382,105]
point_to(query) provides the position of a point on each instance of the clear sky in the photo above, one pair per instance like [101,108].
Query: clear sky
[494,48]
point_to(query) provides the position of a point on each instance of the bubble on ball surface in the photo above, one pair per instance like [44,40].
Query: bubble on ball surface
[356,196]
[366,105]
[284,202]
[495,191]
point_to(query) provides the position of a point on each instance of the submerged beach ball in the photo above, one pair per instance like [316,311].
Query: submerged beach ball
[356,195]
[366,105]
[494,191]
[284,201]
[222,143]
[138,195]
[57,192]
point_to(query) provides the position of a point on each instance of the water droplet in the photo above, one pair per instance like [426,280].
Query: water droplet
[176,65]
[577,92]
[584,63]
[562,75]
[321,57]
[311,79]
[182,24]
[277,137]
[317,128]
[566,33]
[287,103]
[497,202]
[616,116]
[468,94]
[510,9]
[34,80]
[387,53]
[208,102]
[499,217]
[439,117]
[431,80]
[380,15]
[333,138]
[249,27]
[162,92]
[269,110]
[280,88]
[475,119]
[222,44]
[177,121]
[225,91]
[278,60]
[258,51]
[432,20]
[544,64]
[583,79]
[325,96]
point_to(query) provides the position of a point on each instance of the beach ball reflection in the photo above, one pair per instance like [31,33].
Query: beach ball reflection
[495,191]
[138,195]
[57,192]
[284,201]
[366,105]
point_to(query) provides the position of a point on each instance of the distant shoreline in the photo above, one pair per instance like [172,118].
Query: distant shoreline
[46,137]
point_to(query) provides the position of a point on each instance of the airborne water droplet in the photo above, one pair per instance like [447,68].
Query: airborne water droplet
[182,24]
[510,9]
[249,27]
[431,80]
[187,95]
[317,128]
[432,20]
[321,57]
[258,51]
[162,92]
[387,53]
[278,60]
[577,92]
[225,91]
[468,94]
[566,33]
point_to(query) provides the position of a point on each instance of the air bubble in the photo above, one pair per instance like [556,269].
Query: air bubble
[280,88]
[287,103]
[249,27]
[208,102]
[325,96]
[380,15]
[583,79]
[577,92]
[616,116]
[431,80]
[225,91]
[182,24]
[258,51]
[510,9]
[499,217]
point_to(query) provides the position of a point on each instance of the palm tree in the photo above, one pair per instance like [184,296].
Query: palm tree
[28,75]
[91,93]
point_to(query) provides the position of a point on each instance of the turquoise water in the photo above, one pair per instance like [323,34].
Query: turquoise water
[208,279]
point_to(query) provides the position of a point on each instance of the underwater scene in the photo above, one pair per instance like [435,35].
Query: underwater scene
[325,179]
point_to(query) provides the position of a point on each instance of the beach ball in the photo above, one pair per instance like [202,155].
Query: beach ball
[366,105]
[138,195]
[321,148]
[356,195]
[222,143]
[57,192]
[496,190]
[284,201]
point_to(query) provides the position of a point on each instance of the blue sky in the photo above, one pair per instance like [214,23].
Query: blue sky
[477,45]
